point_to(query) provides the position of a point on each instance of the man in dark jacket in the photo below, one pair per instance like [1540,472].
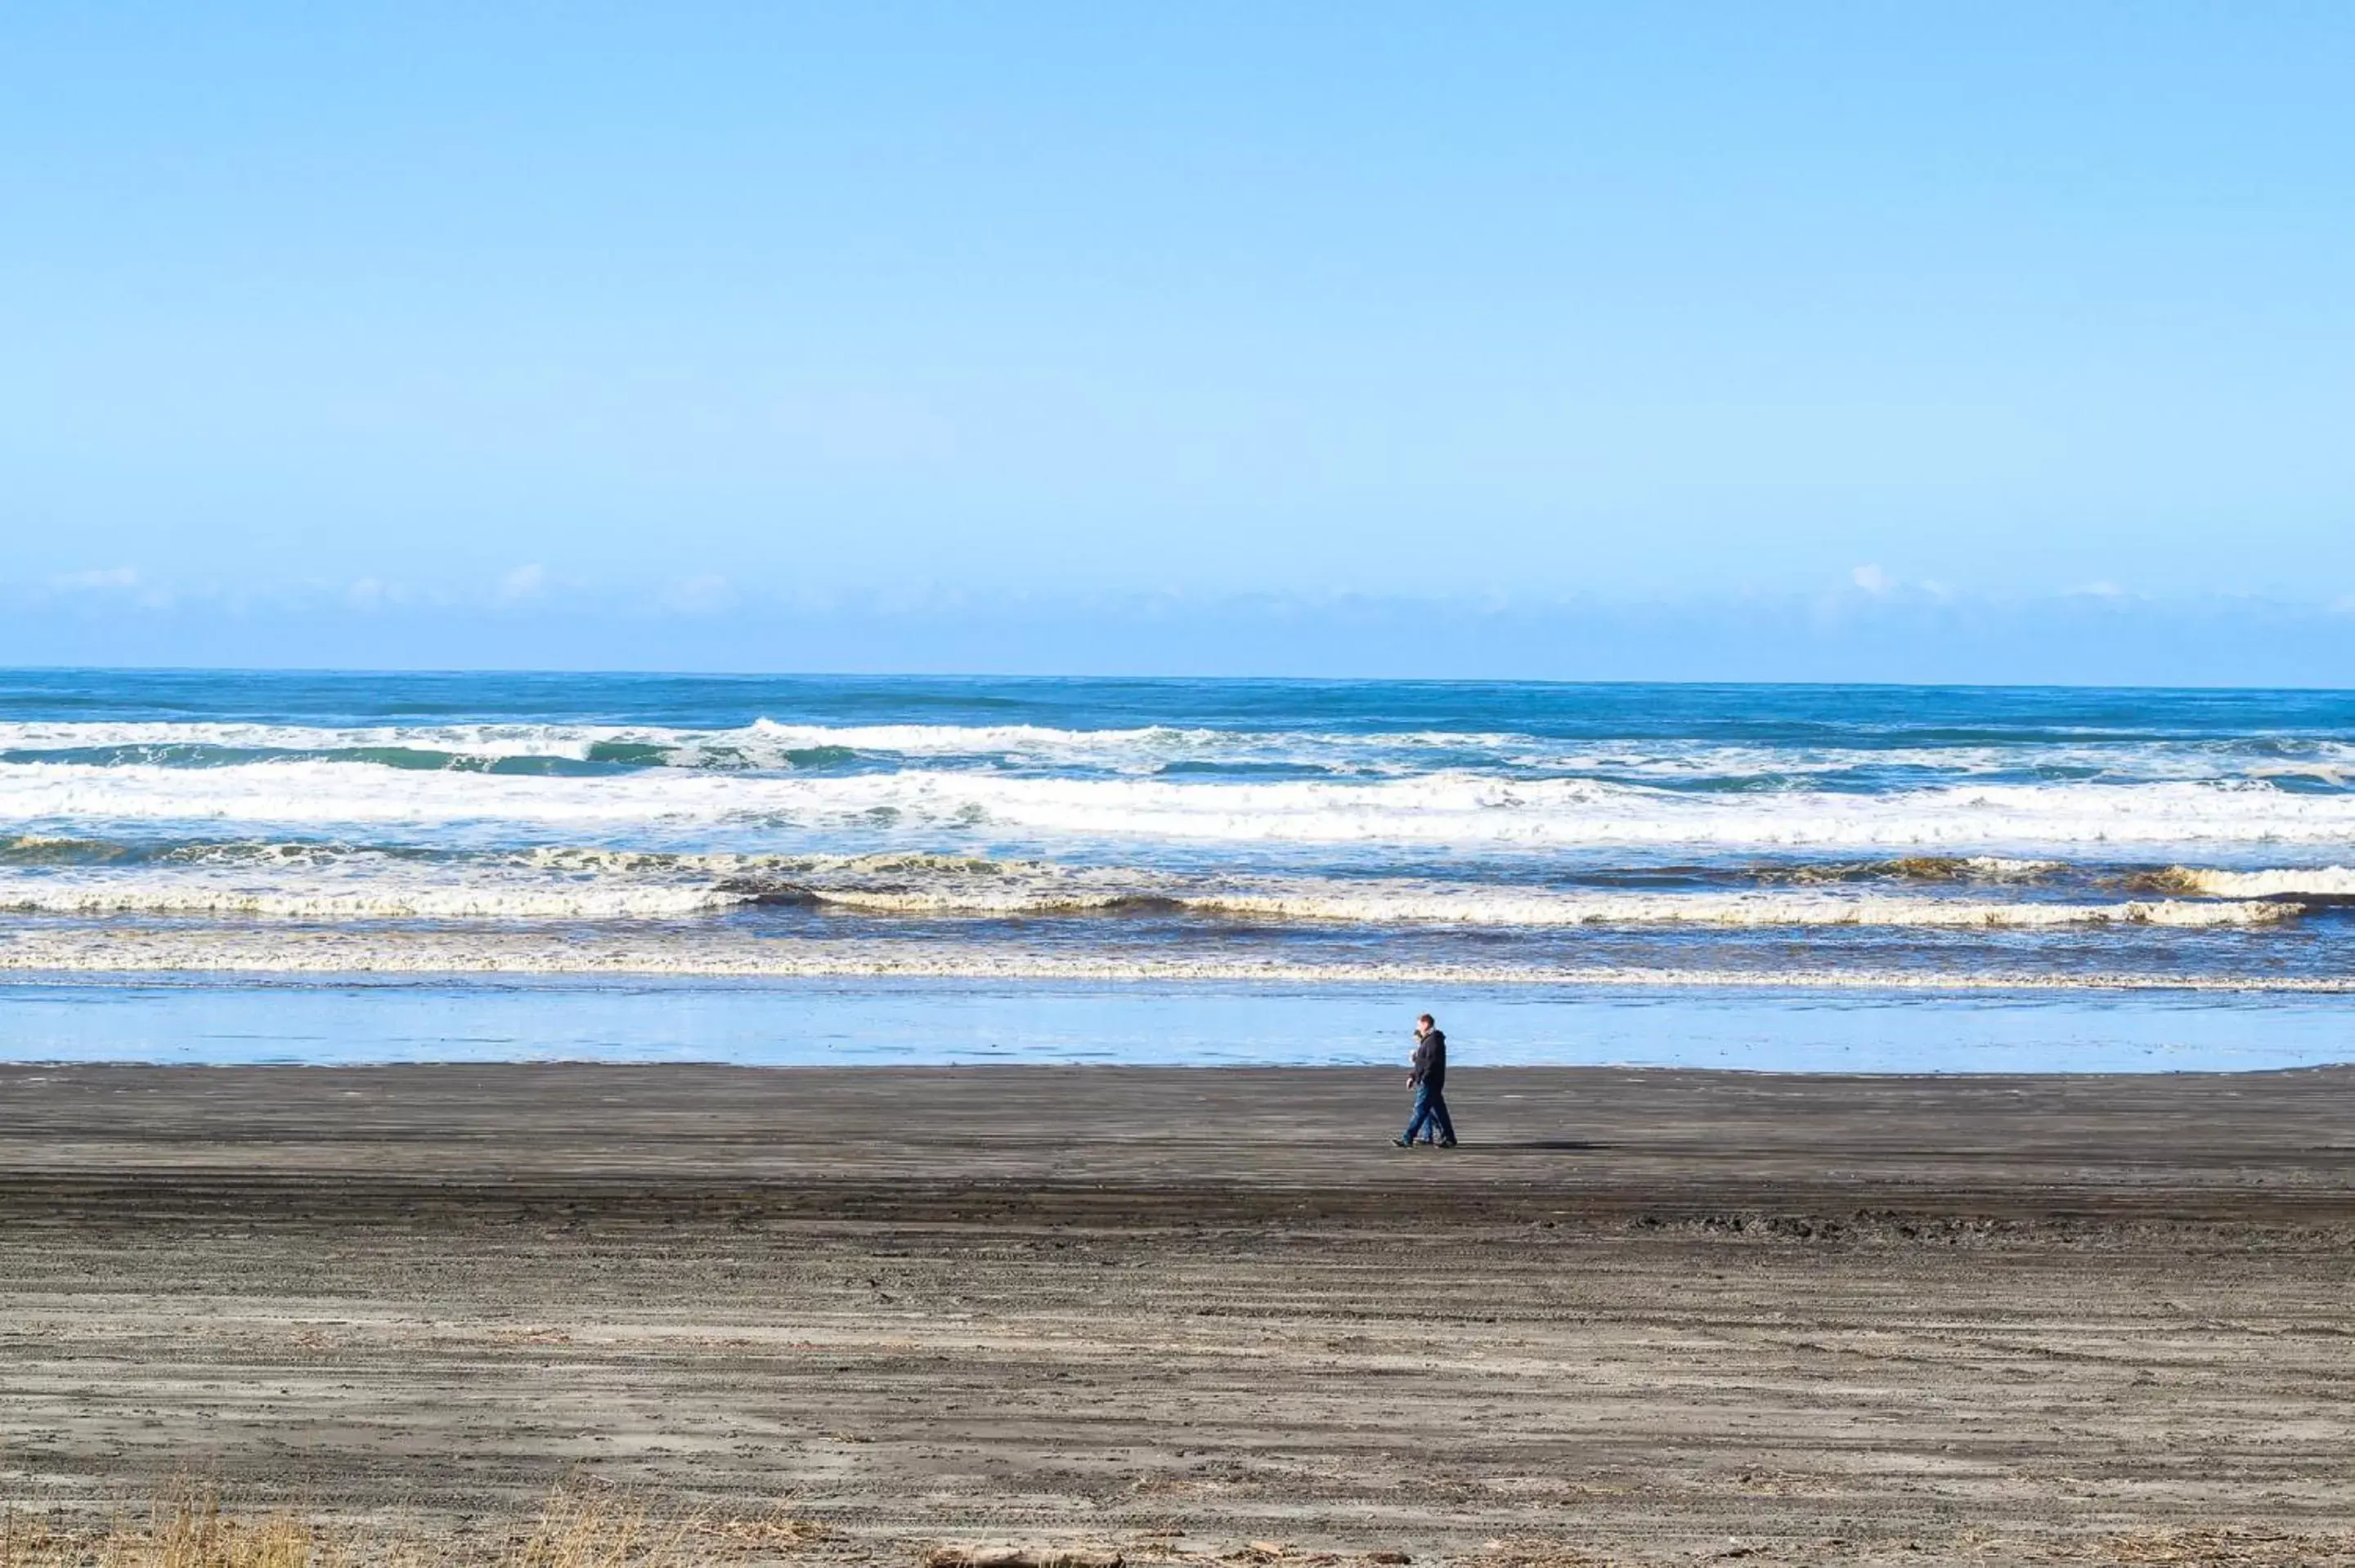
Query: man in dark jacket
[1429,1080]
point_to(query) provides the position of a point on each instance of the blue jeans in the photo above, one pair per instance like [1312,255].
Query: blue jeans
[1430,1111]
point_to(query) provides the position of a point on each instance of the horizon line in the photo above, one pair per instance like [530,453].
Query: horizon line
[584,672]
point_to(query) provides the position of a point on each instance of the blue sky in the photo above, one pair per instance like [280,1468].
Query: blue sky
[1989,341]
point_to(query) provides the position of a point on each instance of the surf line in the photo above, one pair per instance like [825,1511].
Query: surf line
[423,956]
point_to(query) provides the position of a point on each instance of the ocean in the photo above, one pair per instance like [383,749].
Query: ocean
[235,866]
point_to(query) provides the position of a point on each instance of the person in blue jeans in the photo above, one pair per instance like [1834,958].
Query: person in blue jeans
[1429,1080]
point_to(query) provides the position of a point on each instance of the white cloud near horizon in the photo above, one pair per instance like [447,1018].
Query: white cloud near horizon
[1879,629]
[521,584]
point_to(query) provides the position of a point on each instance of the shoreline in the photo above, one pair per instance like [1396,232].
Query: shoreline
[911,1023]
[325,957]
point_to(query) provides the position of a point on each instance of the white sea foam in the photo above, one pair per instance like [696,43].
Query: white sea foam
[1145,750]
[2324,881]
[1441,810]
[486,741]
[305,951]
[384,902]
[761,744]
[1394,904]
[2010,868]
[1747,910]
[363,887]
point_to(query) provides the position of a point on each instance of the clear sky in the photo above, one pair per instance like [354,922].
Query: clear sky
[1688,340]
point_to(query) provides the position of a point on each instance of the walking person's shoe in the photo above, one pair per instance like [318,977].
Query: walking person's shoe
[1402,1143]
[1447,1143]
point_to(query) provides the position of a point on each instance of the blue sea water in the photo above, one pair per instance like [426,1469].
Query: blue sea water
[932,1023]
[339,865]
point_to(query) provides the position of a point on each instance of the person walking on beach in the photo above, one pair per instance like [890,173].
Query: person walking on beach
[1429,1080]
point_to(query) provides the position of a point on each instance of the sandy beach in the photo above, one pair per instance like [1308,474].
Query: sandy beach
[1640,1316]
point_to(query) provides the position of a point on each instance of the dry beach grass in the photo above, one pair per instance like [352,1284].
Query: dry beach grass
[594,1527]
[579,1526]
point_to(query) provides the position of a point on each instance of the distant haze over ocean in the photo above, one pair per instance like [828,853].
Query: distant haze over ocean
[1887,631]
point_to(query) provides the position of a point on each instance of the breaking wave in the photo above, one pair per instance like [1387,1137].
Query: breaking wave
[1387,907]
[1441,810]
[1006,892]
[765,745]
[2330,882]
[1251,830]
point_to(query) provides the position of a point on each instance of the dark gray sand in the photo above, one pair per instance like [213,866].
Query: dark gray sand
[1648,1315]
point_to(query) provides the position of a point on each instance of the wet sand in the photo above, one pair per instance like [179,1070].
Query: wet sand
[1643,1316]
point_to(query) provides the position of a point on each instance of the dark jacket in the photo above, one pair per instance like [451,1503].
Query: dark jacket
[1430,1062]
